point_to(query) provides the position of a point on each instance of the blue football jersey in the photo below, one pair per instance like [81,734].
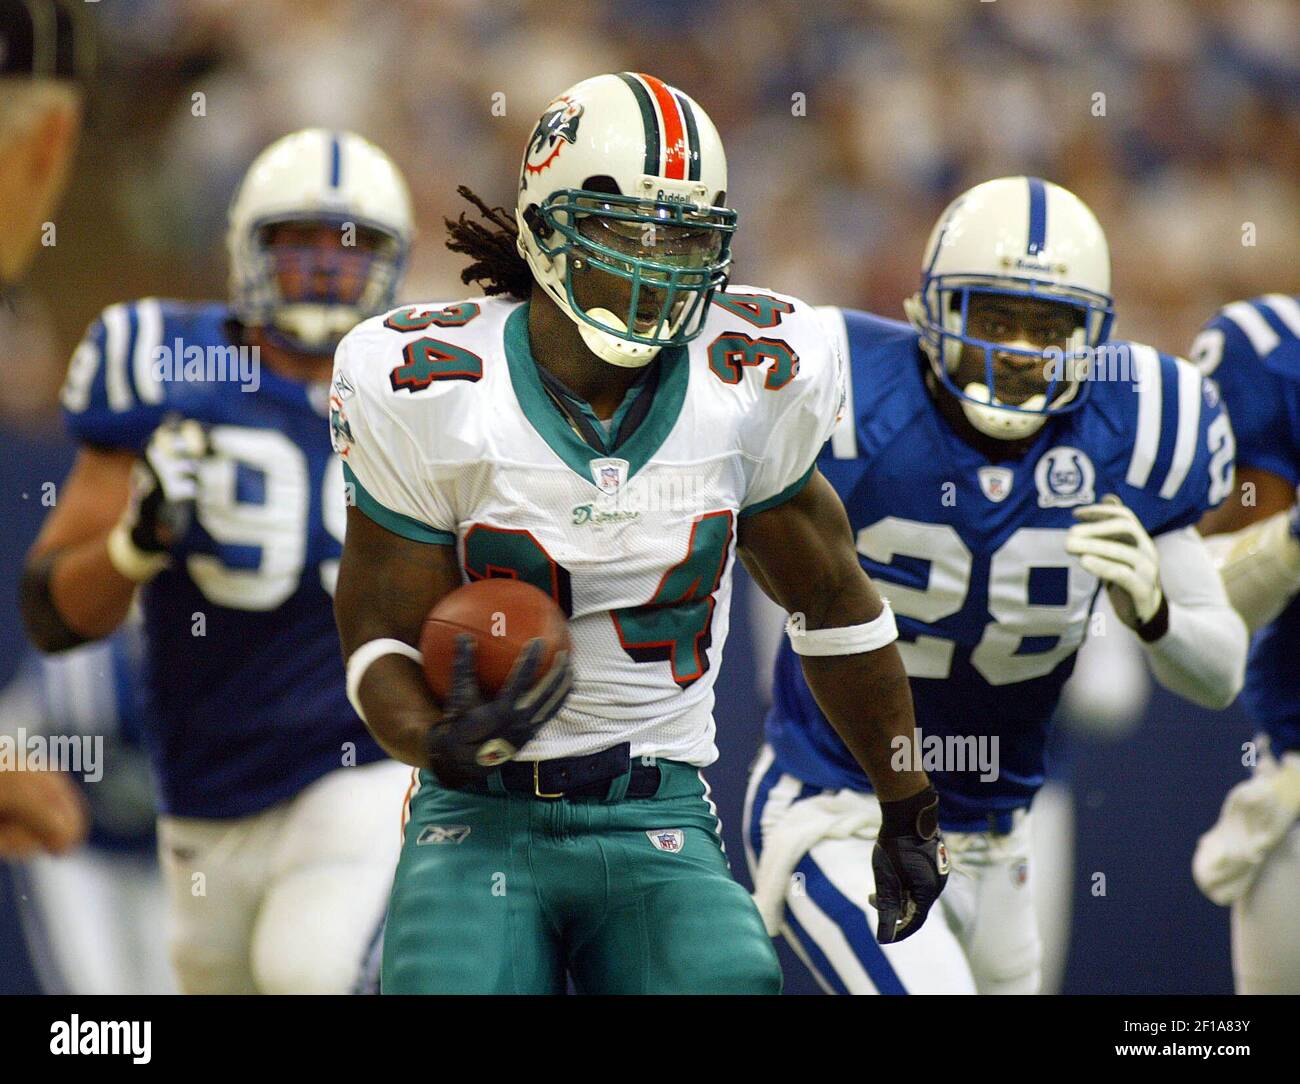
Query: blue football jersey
[971,553]
[1251,349]
[243,662]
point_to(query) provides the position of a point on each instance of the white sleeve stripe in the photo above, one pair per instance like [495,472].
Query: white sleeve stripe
[116,328]
[1287,310]
[81,376]
[1146,365]
[148,336]
[844,438]
[1263,339]
[1189,426]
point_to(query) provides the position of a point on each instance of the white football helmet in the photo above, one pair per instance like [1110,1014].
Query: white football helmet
[1021,237]
[626,175]
[317,176]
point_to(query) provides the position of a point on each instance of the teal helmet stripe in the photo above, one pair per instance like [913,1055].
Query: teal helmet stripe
[648,120]
[692,137]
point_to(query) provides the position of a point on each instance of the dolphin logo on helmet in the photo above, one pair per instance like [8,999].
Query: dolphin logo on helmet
[625,175]
[556,127]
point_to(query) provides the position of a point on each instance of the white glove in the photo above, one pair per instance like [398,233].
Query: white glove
[1112,545]
[1256,815]
[164,486]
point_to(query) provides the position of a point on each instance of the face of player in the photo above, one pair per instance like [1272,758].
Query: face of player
[1024,324]
[314,264]
[678,246]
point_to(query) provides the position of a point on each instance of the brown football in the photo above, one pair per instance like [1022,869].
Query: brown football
[502,615]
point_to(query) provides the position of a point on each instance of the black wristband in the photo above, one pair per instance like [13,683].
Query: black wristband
[1154,629]
[45,624]
[914,816]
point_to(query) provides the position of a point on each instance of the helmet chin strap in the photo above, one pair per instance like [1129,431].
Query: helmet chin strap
[1001,424]
[314,329]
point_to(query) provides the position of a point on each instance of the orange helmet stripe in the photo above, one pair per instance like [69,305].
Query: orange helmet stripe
[674,142]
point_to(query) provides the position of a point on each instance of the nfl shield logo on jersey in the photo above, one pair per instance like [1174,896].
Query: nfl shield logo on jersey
[996,482]
[667,839]
[1064,477]
[609,474]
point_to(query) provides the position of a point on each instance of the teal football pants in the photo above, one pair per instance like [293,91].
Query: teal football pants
[503,893]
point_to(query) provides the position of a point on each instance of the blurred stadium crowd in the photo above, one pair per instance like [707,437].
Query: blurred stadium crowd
[848,125]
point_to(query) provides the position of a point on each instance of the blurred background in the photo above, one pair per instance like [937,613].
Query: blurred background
[849,124]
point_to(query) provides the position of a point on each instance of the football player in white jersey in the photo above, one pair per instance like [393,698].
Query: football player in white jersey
[612,432]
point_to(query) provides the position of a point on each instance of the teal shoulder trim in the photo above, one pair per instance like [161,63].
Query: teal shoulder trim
[792,490]
[405,526]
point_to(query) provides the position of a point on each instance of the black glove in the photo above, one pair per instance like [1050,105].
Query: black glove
[474,735]
[164,488]
[164,485]
[910,864]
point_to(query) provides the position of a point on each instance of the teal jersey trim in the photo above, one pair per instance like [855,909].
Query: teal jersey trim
[792,490]
[551,425]
[405,526]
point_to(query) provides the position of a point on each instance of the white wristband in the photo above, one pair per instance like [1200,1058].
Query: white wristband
[846,640]
[360,660]
[125,556]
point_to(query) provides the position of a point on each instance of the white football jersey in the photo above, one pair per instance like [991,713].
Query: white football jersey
[448,435]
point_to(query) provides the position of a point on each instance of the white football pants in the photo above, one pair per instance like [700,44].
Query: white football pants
[284,901]
[93,921]
[981,937]
[1266,924]
[1250,859]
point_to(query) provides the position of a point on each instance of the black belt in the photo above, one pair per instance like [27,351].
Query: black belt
[577,777]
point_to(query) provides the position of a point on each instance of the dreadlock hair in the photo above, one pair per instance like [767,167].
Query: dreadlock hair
[497,268]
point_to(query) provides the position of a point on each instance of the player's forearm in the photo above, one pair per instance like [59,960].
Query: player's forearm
[394,698]
[865,695]
[383,593]
[868,701]
[1202,655]
[399,709]
[71,593]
